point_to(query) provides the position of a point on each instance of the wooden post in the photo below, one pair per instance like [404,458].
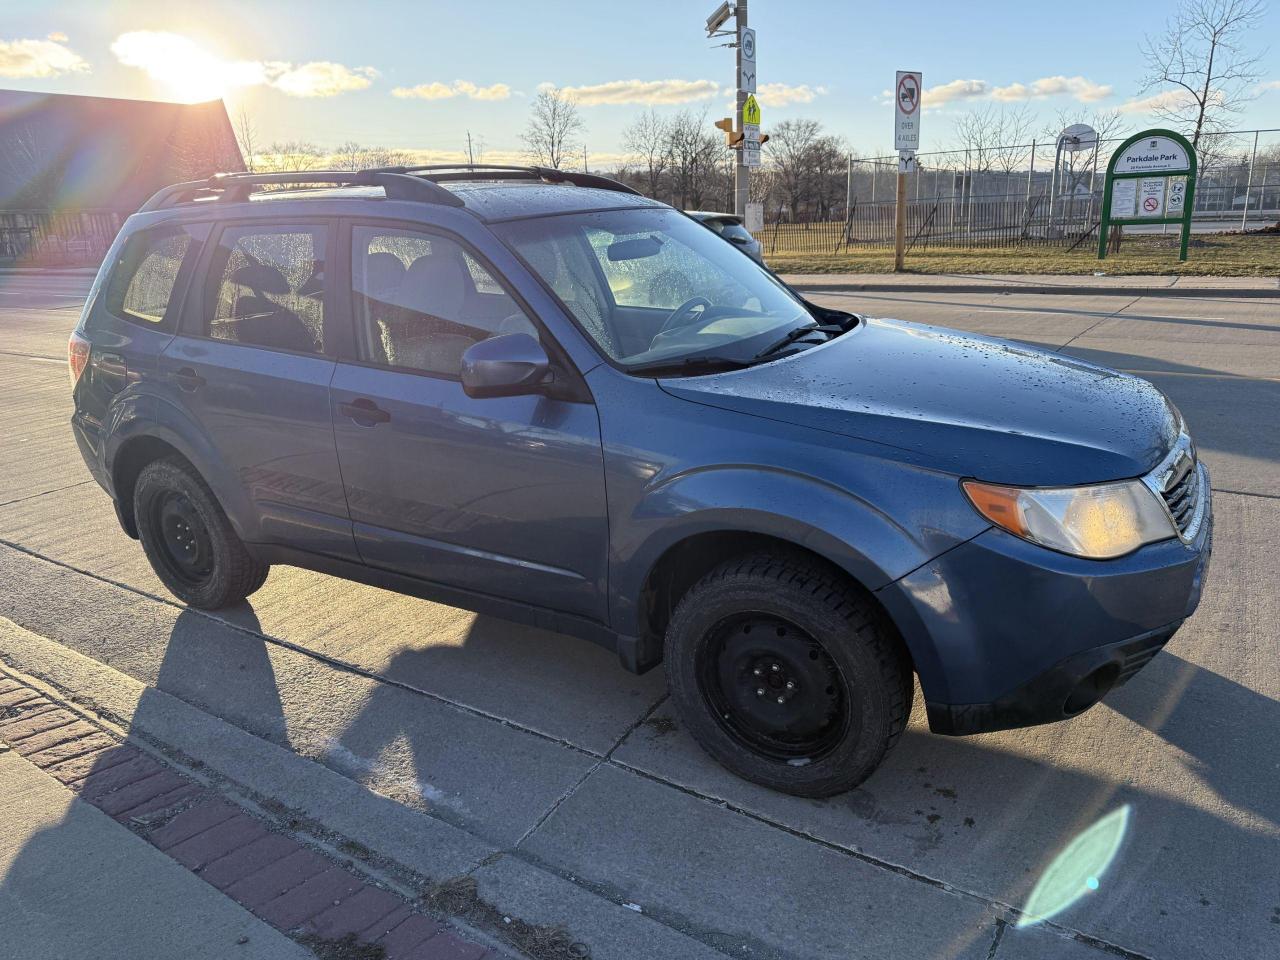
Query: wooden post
[900,231]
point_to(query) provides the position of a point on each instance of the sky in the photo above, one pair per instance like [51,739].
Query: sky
[420,75]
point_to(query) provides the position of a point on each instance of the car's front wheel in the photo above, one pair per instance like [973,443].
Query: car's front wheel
[189,540]
[787,674]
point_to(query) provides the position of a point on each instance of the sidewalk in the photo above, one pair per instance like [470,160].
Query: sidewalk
[74,883]
[106,851]
[1080,285]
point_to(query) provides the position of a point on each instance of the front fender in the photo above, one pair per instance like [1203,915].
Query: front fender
[832,522]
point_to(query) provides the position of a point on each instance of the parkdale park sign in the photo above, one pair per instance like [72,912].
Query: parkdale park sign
[1151,179]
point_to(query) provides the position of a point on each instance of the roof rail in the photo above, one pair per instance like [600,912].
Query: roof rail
[235,187]
[500,171]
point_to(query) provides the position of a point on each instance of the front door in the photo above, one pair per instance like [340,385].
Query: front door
[250,366]
[502,496]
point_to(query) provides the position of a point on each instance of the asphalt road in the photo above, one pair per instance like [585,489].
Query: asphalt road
[566,787]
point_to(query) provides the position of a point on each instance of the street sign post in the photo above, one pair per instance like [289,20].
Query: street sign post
[907,94]
[1151,179]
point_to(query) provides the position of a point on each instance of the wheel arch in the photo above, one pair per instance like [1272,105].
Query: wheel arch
[172,433]
[686,561]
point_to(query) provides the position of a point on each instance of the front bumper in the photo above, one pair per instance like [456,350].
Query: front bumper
[1005,633]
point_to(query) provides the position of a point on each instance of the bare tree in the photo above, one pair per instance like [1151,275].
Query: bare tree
[694,158]
[290,156]
[553,127]
[1200,59]
[646,139]
[355,156]
[1013,132]
[247,139]
[790,145]
[995,137]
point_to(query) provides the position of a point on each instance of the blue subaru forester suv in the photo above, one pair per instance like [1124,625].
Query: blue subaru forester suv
[542,396]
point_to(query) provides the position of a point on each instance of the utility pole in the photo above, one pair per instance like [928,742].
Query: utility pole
[742,131]
[741,173]
[471,157]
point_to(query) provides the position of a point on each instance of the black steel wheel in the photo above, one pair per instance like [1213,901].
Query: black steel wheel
[773,687]
[187,537]
[788,673]
[187,547]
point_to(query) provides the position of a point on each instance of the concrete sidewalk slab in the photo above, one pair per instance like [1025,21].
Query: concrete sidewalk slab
[1082,285]
[386,832]
[698,866]
[60,858]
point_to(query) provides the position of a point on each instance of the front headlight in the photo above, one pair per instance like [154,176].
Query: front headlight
[1100,522]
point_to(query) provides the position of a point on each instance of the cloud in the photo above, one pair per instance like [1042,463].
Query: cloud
[1166,100]
[32,59]
[1269,85]
[955,90]
[651,92]
[196,73]
[1078,88]
[781,94]
[459,88]
[319,78]
[57,36]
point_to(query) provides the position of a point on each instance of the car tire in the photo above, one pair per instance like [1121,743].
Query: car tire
[850,679]
[188,539]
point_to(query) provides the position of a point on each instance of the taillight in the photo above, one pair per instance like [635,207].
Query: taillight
[77,356]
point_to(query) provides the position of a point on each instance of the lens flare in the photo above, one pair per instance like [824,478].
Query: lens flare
[1078,870]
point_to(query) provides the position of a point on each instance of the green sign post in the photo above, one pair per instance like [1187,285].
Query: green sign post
[1150,179]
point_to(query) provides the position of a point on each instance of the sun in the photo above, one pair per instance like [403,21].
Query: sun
[187,70]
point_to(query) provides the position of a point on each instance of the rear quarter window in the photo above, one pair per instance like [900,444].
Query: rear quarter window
[143,279]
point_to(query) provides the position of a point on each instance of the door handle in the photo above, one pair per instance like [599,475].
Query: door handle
[188,380]
[364,412]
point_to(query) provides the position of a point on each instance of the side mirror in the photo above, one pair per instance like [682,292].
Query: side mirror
[505,366]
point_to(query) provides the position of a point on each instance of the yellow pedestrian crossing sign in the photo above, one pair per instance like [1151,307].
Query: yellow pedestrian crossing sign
[751,109]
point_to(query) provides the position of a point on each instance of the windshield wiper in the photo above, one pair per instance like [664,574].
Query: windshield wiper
[799,333]
[690,366]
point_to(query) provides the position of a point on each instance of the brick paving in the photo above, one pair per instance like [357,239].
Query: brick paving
[272,875]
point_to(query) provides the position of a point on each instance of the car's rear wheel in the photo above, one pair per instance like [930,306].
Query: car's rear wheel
[189,540]
[787,674]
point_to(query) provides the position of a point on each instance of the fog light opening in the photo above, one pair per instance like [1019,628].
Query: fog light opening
[1091,689]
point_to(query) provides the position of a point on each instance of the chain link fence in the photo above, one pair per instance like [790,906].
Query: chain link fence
[1009,196]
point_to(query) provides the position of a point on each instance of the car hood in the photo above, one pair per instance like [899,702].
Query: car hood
[968,405]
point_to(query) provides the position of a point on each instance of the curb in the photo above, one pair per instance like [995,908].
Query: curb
[1063,290]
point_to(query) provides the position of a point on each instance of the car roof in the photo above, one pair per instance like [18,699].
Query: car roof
[490,199]
[497,200]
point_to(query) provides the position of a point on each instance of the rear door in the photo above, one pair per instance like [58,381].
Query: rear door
[252,364]
[501,496]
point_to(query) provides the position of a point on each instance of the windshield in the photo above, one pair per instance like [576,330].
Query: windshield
[652,286]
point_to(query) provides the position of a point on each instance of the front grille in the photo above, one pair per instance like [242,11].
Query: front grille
[1182,496]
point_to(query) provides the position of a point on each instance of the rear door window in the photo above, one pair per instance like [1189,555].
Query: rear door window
[143,279]
[266,287]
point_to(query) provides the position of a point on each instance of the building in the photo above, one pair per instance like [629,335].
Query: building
[72,167]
